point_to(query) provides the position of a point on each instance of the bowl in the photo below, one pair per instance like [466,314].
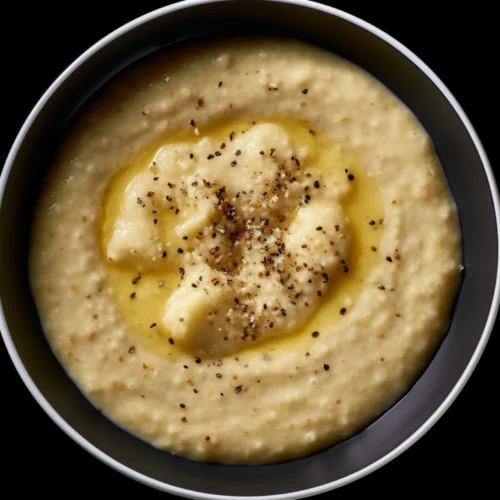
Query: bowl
[471,181]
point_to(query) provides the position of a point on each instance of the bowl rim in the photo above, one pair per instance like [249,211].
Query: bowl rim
[423,429]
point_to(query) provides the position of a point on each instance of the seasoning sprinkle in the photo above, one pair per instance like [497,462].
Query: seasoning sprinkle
[237,389]
[305,91]
[131,349]
[343,311]
[132,295]
[182,405]
[326,367]
[315,334]
[316,184]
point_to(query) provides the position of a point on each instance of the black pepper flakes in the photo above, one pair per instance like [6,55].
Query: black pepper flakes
[152,325]
[132,295]
[237,389]
[164,254]
[218,375]
[131,349]
[171,341]
[237,152]
[220,84]
[388,259]
[197,360]
[315,334]
[319,228]
[316,184]
[305,91]
[326,367]
[343,311]
[180,250]
[372,223]
[182,405]
[234,163]
[350,177]
[210,157]
[193,123]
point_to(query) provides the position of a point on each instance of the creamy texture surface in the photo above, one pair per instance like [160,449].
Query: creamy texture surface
[245,251]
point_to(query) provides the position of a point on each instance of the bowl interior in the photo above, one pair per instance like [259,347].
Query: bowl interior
[465,173]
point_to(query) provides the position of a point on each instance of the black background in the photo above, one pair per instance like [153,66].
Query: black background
[458,43]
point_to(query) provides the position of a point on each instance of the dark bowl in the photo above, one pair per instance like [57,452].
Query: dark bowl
[471,181]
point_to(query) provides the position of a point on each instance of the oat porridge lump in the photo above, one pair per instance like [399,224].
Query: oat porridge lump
[245,251]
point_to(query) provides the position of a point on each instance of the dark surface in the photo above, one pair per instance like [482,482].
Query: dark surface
[453,449]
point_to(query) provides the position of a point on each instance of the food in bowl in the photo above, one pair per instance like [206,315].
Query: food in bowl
[245,250]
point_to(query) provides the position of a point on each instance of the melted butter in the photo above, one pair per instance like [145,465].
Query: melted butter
[361,205]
